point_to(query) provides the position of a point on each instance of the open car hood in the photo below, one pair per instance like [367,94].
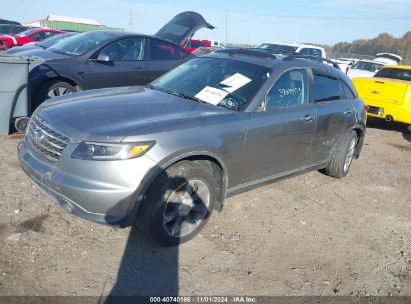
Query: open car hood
[182,27]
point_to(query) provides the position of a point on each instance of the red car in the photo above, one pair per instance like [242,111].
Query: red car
[194,44]
[31,35]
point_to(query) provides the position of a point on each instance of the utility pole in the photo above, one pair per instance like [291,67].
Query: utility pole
[130,21]
[226,28]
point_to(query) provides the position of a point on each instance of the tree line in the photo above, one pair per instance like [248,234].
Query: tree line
[383,43]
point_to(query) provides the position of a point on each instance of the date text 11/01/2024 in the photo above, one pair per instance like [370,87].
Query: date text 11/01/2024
[205,299]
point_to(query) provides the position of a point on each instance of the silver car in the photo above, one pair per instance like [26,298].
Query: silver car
[165,155]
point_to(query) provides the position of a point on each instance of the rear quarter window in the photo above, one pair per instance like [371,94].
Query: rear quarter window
[326,88]
[348,92]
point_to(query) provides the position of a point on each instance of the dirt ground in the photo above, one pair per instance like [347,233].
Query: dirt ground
[308,235]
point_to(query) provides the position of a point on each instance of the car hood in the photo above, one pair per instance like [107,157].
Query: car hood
[24,50]
[109,115]
[182,27]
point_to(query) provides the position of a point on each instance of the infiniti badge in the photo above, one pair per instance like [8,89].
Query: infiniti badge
[39,135]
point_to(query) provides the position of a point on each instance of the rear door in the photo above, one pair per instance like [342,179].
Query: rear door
[162,57]
[121,63]
[335,114]
[279,138]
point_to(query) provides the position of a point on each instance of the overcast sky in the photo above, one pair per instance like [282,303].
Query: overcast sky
[249,21]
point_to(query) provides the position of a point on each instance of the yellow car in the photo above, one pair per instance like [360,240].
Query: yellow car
[388,93]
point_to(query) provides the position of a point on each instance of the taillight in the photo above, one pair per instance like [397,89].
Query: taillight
[366,107]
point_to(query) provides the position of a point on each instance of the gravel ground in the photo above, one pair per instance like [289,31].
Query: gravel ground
[308,235]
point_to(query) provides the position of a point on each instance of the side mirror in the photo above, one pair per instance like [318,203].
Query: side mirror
[103,57]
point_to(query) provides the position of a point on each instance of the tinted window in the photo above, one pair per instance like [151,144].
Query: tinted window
[160,50]
[326,88]
[290,90]
[38,36]
[130,49]
[311,52]
[5,29]
[196,44]
[347,91]
[81,43]
[393,73]
[220,82]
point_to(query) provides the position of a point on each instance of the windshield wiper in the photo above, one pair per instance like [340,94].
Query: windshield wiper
[175,93]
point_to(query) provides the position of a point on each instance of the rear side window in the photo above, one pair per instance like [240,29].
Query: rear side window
[290,90]
[347,91]
[326,88]
[311,52]
[160,50]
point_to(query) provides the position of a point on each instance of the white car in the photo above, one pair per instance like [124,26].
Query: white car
[367,68]
[287,48]
[217,44]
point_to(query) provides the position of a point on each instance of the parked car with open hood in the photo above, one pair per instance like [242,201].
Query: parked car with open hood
[103,59]
[165,155]
[388,93]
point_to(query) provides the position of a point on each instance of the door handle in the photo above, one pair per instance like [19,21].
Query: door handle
[307,117]
[347,112]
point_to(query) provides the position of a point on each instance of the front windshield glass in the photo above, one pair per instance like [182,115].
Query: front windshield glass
[394,73]
[53,40]
[26,33]
[278,48]
[220,82]
[81,43]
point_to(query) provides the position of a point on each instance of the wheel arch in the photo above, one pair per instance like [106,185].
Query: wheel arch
[205,159]
[360,131]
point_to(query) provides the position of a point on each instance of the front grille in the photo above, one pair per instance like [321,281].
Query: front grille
[45,139]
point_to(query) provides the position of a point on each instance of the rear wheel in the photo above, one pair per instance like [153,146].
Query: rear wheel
[178,204]
[342,156]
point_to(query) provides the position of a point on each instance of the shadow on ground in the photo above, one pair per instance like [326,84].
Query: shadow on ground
[381,124]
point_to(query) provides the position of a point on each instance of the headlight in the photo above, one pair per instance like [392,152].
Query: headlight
[110,151]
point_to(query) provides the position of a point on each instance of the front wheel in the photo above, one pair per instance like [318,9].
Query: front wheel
[342,156]
[178,204]
[58,89]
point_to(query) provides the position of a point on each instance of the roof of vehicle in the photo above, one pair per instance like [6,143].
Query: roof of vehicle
[267,59]
[371,61]
[404,67]
[295,44]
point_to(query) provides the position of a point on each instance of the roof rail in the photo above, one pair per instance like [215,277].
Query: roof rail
[291,57]
[255,52]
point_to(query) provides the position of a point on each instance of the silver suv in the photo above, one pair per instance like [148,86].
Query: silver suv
[164,156]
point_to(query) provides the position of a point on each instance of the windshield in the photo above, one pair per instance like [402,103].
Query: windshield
[220,82]
[26,33]
[278,48]
[368,66]
[54,39]
[81,43]
[394,73]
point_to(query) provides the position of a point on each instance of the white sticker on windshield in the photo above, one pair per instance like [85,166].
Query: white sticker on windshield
[211,95]
[235,82]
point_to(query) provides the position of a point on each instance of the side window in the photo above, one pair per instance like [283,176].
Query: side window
[305,52]
[160,50]
[316,53]
[290,90]
[347,91]
[129,49]
[49,34]
[326,88]
[38,36]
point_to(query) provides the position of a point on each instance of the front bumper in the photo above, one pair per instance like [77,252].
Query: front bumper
[99,191]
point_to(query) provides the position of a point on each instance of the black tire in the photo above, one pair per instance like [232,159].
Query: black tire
[57,85]
[338,166]
[151,218]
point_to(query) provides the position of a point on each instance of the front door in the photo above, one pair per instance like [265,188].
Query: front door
[279,137]
[121,63]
